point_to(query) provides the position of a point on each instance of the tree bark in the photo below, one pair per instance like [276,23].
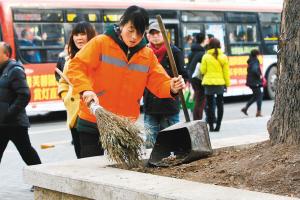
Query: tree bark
[284,125]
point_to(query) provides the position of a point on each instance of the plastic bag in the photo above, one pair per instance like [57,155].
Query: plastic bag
[188,94]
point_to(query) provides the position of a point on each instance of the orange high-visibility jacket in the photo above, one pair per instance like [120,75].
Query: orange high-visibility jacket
[102,66]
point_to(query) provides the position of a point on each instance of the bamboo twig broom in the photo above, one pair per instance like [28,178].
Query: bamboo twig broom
[119,136]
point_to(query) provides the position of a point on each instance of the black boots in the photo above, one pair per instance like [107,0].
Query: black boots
[216,129]
[244,110]
[211,127]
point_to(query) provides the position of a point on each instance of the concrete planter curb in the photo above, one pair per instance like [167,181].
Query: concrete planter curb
[91,178]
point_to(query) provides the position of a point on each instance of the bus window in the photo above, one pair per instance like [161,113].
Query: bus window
[33,15]
[270,28]
[196,16]
[242,33]
[217,31]
[91,16]
[241,17]
[165,14]
[189,30]
[39,42]
[39,34]
[242,38]
[112,16]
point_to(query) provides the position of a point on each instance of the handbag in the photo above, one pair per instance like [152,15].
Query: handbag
[188,97]
[264,82]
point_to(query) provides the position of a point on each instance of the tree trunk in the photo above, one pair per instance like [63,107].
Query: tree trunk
[284,125]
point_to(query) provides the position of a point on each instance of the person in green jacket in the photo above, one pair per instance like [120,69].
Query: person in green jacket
[216,79]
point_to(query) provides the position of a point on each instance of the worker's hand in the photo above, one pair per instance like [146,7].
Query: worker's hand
[88,96]
[177,84]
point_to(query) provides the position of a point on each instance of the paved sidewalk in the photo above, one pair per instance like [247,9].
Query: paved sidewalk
[12,186]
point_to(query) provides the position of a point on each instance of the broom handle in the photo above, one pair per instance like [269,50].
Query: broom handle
[63,76]
[173,65]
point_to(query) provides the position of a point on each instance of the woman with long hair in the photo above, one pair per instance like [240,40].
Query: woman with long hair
[81,34]
[216,79]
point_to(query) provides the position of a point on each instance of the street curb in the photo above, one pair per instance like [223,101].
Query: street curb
[93,178]
[237,147]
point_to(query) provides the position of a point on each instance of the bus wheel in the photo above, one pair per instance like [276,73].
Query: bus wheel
[272,82]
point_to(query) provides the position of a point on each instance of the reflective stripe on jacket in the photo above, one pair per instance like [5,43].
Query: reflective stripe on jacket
[102,66]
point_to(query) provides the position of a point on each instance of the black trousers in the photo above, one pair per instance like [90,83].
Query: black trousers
[256,96]
[199,98]
[211,111]
[19,136]
[90,145]
[76,143]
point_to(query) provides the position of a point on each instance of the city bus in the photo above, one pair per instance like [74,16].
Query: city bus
[240,27]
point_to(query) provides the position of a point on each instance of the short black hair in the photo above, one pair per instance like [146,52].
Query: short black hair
[199,37]
[210,36]
[7,49]
[137,16]
[24,33]
[254,53]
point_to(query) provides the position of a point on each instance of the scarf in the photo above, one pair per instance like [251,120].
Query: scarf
[160,52]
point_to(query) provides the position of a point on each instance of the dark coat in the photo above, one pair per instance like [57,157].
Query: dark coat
[196,56]
[155,105]
[60,65]
[253,73]
[14,95]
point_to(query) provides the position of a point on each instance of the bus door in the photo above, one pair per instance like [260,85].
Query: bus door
[172,32]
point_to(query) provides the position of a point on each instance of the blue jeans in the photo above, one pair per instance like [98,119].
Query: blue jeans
[156,123]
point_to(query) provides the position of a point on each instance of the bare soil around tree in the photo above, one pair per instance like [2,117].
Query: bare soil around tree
[263,168]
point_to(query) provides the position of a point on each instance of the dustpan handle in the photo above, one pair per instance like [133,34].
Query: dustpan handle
[173,65]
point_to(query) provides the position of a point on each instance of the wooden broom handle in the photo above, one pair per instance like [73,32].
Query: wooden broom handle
[63,76]
[173,65]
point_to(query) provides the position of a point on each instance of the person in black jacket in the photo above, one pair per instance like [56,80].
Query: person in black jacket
[254,81]
[14,97]
[195,58]
[62,57]
[161,113]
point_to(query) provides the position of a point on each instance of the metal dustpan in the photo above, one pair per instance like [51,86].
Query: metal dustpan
[182,142]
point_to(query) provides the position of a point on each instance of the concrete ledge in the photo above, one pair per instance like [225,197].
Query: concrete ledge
[91,178]
[45,194]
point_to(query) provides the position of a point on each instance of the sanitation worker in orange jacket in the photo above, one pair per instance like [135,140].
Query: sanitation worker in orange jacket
[113,69]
